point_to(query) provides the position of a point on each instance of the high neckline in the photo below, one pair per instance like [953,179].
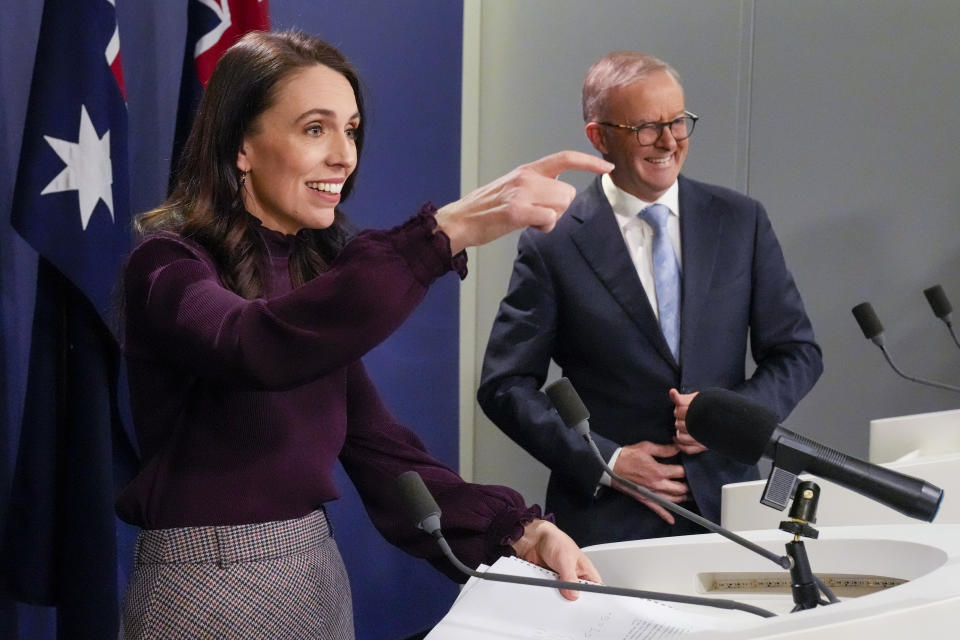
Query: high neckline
[278,243]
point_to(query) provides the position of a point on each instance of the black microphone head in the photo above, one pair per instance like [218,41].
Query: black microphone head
[567,401]
[415,495]
[727,422]
[867,319]
[938,301]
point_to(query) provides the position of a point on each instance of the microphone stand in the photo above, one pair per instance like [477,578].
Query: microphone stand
[782,561]
[930,383]
[803,581]
[414,492]
[954,334]
[804,585]
[872,330]
[574,414]
[717,603]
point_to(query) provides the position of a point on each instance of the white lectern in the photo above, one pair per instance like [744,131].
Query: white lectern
[894,581]
[896,577]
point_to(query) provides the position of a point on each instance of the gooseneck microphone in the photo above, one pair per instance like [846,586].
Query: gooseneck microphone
[740,429]
[873,330]
[575,416]
[941,308]
[426,516]
[938,303]
[869,323]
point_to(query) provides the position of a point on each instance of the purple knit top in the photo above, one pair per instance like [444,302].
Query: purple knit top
[242,406]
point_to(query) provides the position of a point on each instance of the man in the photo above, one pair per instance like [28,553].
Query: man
[641,316]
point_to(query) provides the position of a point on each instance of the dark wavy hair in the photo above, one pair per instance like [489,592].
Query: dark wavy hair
[205,204]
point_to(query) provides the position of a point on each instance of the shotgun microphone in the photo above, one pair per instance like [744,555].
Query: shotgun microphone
[736,427]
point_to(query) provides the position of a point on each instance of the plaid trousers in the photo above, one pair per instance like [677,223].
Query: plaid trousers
[270,580]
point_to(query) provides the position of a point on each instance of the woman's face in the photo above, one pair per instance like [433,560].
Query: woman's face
[300,151]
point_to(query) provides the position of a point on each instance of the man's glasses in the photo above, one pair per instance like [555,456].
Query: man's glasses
[649,132]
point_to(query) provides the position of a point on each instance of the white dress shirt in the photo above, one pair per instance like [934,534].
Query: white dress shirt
[638,237]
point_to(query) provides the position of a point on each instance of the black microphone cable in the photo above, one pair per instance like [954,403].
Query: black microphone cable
[415,494]
[872,329]
[575,415]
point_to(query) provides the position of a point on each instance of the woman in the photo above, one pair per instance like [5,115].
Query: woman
[247,311]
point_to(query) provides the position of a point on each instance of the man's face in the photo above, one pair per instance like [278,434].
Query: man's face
[643,171]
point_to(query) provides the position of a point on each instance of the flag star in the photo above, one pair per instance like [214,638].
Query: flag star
[89,170]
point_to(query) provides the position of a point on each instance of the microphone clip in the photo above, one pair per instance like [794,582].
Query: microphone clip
[789,460]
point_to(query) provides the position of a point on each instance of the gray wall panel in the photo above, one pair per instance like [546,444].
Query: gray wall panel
[837,115]
[854,152]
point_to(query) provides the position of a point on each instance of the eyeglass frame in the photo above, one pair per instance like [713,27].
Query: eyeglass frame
[660,126]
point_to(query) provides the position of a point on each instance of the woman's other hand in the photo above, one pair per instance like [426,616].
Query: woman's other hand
[528,196]
[546,545]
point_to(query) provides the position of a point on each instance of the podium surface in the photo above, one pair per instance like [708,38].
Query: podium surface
[920,435]
[893,581]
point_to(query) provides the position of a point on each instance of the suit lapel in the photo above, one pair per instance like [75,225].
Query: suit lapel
[700,230]
[600,243]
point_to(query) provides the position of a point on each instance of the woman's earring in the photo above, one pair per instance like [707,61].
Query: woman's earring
[243,179]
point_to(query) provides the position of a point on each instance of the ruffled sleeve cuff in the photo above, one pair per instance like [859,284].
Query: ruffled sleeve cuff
[426,248]
[507,528]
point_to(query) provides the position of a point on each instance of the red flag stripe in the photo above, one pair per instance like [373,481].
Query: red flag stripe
[237,17]
[113,60]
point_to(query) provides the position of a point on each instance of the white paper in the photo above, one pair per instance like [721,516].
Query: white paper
[487,609]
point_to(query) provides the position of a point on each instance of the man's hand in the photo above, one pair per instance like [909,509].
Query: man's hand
[528,196]
[684,441]
[638,463]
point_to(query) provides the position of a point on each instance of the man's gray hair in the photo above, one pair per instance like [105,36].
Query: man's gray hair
[617,69]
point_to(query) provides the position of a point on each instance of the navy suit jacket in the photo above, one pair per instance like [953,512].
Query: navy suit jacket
[575,297]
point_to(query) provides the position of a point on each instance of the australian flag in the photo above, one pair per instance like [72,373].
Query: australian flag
[71,200]
[71,203]
[212,27]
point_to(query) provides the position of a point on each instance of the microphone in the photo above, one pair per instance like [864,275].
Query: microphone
[872,330]
[941,308]
[869,323]
[426,516]
[575,416]
[736,427]
[939,303]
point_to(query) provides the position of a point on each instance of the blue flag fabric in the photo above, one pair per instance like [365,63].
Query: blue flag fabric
[63,547]
[71,203]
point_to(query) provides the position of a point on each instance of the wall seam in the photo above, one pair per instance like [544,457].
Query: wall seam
[745,89]
[469,177]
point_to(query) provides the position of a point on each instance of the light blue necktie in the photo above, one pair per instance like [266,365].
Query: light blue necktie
[666,275]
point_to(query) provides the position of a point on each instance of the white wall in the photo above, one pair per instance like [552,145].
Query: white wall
[838,116]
